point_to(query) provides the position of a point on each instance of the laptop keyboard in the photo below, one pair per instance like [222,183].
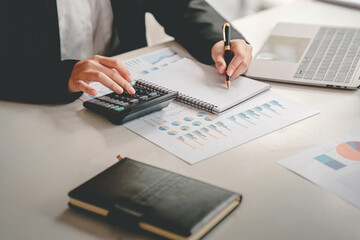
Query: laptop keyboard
[332,56]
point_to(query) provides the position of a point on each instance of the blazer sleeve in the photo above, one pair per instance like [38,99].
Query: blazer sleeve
[33,71]
[37,82]
[193,23]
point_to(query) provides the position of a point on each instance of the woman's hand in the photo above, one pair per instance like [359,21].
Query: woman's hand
[242,55]
[110,72]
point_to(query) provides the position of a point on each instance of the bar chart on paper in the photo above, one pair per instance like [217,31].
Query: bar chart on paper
[146,64]
[346,151]
[334,165]
[195,135]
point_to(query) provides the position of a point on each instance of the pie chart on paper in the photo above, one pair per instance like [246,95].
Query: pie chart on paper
[349,150]
[163,128]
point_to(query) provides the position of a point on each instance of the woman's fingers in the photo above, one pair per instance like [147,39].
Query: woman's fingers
[115,64]
[83,86]
[241,60]
[242,54]
[108,71]
[114,75]
[102,78]
[217,54]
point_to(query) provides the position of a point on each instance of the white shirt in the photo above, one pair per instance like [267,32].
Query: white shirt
[86,28]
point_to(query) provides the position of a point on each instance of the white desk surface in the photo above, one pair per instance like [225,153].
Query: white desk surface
[46,151]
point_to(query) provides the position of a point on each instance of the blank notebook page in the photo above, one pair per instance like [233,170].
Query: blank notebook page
[201,81]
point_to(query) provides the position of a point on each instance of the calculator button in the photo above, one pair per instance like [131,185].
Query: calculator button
[95,101]
[134,100]
[153,94]
[102,98]
[111,100]
[125,104]
[115,107]
[119,109]
[144,97]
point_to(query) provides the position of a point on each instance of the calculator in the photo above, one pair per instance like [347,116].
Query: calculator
[121,108]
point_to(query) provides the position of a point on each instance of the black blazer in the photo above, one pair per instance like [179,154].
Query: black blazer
[33,70]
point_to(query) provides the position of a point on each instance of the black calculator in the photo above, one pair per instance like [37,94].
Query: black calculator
[121,108]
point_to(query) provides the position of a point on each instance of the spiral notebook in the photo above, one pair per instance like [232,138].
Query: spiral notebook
[200,86]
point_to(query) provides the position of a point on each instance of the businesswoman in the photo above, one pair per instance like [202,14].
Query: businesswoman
[54,48]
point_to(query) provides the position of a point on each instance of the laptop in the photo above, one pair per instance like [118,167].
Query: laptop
[348,3]
[310,55]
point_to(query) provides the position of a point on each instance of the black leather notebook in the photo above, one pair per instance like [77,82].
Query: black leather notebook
[157,200]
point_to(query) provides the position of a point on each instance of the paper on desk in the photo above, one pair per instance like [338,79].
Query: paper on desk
[143,65]
[201,83]
[194,135]
[334,165]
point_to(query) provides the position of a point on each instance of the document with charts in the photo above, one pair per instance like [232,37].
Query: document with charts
[142,65]
[334,165]
[194,135]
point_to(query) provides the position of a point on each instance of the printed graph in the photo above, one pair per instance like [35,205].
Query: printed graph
[348,150]
[199,129]
[151,62]
[188,119]
[195,135]
[257,115]
[184,128]
[172,132]
[176,123]
[159,56]
[196,123]
[333,165]
[330,162]
[163,128]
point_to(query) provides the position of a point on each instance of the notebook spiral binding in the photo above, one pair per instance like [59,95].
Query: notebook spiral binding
[183,98]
